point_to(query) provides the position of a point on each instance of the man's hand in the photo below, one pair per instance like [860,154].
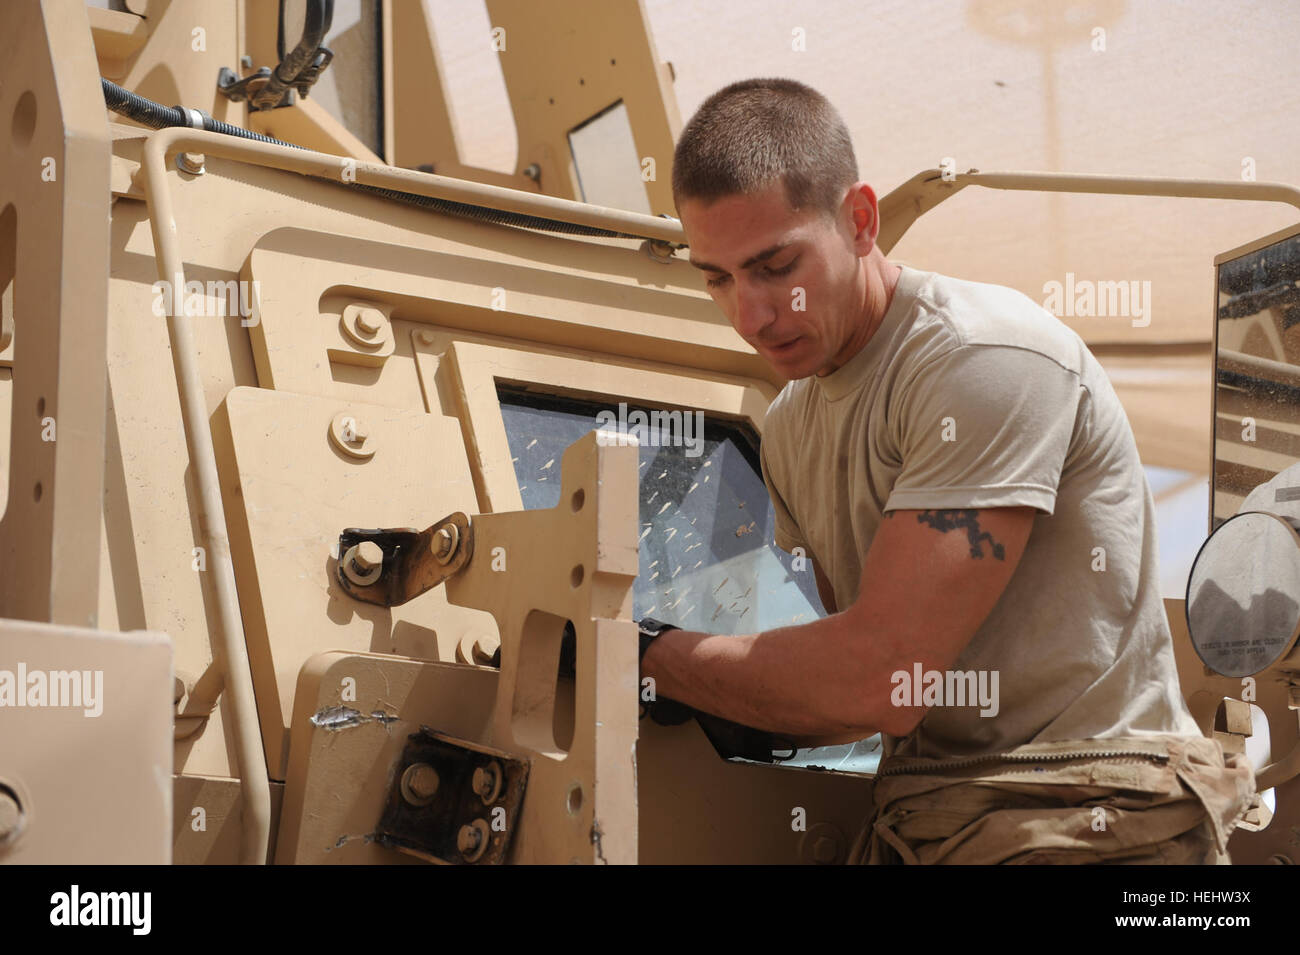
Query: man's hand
[929,580]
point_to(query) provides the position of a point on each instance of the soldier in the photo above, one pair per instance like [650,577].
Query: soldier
[958,468]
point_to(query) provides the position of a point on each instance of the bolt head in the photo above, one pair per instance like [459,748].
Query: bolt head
[369,321]
[824,850]
[485,647]
[369,555]
[192,163]
[444,541]
[484,781]
[420,784]
[468,839]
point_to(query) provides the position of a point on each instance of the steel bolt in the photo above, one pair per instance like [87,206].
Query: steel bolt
[533,172]
[824,850]
[363,563]
[468,839]
[420,784]
[192,163]
[485,648]
[444,542]
[472,840]
[351,437]
[369,321]
[11,817]
[486,782]
[368,556]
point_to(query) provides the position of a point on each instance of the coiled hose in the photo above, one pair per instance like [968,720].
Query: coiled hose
[156,116]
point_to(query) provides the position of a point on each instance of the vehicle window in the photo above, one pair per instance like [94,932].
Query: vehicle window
[707,560]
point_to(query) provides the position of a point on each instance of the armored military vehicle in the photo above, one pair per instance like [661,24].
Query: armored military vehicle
[320,444]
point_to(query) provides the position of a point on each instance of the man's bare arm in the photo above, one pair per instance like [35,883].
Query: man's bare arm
[929,581]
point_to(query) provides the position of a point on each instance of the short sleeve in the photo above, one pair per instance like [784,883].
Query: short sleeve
[787,534]
[983,426]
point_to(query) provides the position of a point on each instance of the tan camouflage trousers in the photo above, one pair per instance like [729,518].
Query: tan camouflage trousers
[1134,800]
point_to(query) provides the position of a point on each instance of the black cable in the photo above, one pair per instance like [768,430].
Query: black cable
[316,23]
[156,116]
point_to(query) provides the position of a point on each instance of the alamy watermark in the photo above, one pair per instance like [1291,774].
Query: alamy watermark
[946,688]
[1084,298]
[75,907]
[53,688]
[216,299]
[654,428]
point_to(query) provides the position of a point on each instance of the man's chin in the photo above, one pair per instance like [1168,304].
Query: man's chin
[793,368]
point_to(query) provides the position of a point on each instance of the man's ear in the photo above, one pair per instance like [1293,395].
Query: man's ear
[866,214]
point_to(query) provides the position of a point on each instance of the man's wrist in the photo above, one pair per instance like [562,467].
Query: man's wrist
[650,631]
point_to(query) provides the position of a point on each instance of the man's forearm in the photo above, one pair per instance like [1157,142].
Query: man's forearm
[812,680]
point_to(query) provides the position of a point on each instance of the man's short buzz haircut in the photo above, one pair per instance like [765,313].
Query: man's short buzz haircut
[753,133]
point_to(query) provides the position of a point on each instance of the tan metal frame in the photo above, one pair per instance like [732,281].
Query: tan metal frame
[479,367]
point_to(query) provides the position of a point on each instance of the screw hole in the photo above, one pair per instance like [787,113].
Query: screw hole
[575,577]
[579,498]
[573,802]
[38,497]
[40,406]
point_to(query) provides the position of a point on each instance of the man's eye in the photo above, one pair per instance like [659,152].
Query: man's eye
[784,270]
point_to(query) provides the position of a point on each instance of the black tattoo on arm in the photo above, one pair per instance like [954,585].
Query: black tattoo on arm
[944,521]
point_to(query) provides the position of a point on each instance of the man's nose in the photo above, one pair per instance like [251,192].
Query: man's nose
[754,310]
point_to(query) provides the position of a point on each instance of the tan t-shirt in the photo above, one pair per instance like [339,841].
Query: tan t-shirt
[1081,651]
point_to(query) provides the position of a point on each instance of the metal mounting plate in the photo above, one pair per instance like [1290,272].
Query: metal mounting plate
[431,831]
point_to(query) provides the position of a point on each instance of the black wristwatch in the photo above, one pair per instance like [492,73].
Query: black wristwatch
[651,629]
[662,710]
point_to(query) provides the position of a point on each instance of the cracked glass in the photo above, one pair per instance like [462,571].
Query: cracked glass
[706,553]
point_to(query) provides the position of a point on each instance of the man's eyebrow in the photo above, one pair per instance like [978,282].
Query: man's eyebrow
[752,260]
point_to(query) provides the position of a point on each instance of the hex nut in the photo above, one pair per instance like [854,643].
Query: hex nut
[366,326]
[822,844]
[369,555]
[487,782]
[349,437]
[369,321]
[824,850]
[420,784]
[478,648]
[444,542]
[192,163]
[473,839]
[363,563]
[486,646]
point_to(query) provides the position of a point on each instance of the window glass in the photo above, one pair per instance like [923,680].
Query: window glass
[707,560]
